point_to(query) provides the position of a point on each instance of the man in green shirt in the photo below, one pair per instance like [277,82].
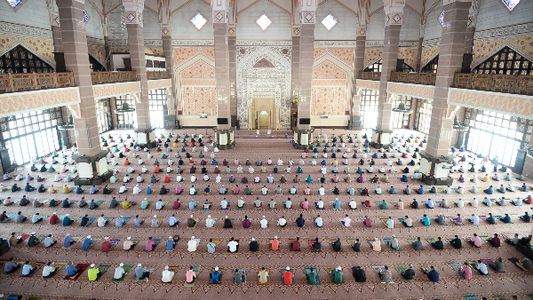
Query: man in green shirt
[337,275]
[93,273]
[384,205]
[312,277]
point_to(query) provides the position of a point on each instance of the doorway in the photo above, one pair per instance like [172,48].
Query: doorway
[264,120]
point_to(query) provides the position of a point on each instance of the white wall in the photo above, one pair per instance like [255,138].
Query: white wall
[433,26]
[376,27]
[280,29]
[183,29]
[494,14]
[411,26]
[346,27]
[94,25]
[151,27]
[32,13]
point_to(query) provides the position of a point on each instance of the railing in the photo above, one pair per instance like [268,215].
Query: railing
[113,77]
[516,84]
[18,82]
[416,78]
[369,75]
[155,75]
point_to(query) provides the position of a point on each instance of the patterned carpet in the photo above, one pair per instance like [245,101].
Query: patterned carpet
[249,146]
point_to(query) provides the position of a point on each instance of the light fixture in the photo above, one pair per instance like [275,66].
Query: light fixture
[125,108]
[69,125]
[459,126]
[402,109]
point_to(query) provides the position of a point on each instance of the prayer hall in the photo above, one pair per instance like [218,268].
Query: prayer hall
[266,149]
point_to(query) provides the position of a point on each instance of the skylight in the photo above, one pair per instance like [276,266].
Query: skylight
[441,18]
[14,3]
[263,21]
[511,4]
[329,22]
[198,21]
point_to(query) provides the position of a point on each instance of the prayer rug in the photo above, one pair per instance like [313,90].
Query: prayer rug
[91,220]
[473,265]
[156,241]
[377,269]
[81,268]
[429,190]
[126,219]
[308,270]
[500,297]
[401,269]
[457,266]
[431,241]
[471,297]
[103,269]
[517,263]
[282,271]
[330,270]
[149,203]
[244,206]
[35,298]
[270,245]
[196,269]
[149,270]
[387,241]
[114,244]
[17,297]
[237,240]
[489,262]
[411,241]
[426,269]
[401,221]
[99,202]
[259,270]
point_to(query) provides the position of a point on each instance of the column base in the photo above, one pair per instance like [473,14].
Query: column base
[381,138]
[435,170]
[302,138]
[143,137]
[92,170]
[235,122]
[225,138]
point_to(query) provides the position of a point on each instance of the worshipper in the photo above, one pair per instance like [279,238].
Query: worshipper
[282,222]
[318,221]
[87,242]
[376,245]
[417,245]
[233,245]
[433,275]
[490,219]
[495,241]
[506,219]
[48,242]
[474,220]
[227,223]
[317,246]
[385,275]
[526,217]
[367,221]
[456,242]
[359,274]
[476,241]
[142,274]
[407,222]
[384,205]
[460,203]
[239,277]
[409,274]
[394,243]
[263,276]
[482,268]
[458,220]
[264,222]
[102,221]
[337,275]
[49,270]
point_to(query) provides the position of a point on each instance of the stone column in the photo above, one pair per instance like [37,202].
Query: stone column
[232,53]
[391,45]
[295,61]
[92,168]
[306,58]
[168,51]
[450,61]
[527,170]
[220,25]
[359,65]
[133,12]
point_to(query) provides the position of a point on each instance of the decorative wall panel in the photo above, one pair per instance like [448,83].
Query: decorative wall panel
[199,100]
[523,44]
[264,82]
[41,47]
[182,54]
[329,100]
[367,84]
[484,49]
[372,55]
[409,55]
[97,52]
[28,101]
[159,84]
[428,54]
[116,89]
[328,70]
[413,90]
[344,54]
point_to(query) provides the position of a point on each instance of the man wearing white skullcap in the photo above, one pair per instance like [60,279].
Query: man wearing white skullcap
[337,275]
[171,244]
[128,244]
[155,222]
[210,222]
[192,245]
[93,273]
[141,274]
[167,275]
[119,272]
[191,222]
[87,242]
[215,276]
[288,276]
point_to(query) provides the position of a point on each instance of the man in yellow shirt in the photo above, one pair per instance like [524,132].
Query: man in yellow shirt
[263,276]
[126,204]
[66,189]
[93,273]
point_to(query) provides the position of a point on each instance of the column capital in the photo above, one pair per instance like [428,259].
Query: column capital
[220,11]
[361,32]
[393,12]
[307,11]
[447,2]
[133,11]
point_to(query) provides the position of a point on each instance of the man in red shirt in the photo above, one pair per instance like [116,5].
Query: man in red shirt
[274,244]
[295,245]
[106,245]
[176,204]
[166,179]
[368,204]
[287,276]
[53,219]
[495,241]
[246,222]
[150,244]
[368,221]
[466,272]
[236,190]
[157,169]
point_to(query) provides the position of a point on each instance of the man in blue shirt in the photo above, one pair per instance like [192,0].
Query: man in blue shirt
[119,222]
[71,270]
[430,204]
[392,190]
[433,275]
[490,190]
[10,266]
[87,242]
[192,204]
[275,169]
[68,241]
[215,276]
[336,204]
[27,269]
[28,188]
[425,220]
[421,190]
[223,190]
[170,244]
[254,246]
[148,190]
[66,220]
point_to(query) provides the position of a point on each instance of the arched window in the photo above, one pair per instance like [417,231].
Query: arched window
[376,67]
[505,62]
[431,67]
[20,60]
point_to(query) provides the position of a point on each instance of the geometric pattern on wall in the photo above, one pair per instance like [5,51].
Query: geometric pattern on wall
[182,54]
[41,47]
[428,54]
[328,70]
[199,100]
[328,100]
[261,82]
[199,70]
[372,55]
[409,55]
[344,54]
[485,49]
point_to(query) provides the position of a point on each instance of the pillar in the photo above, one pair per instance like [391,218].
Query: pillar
[232,53]
[391,45]
[133,13]
[107,48]
[359,65]
[450,61]
[295,75]
[168,51]
[92,166]
[224,136]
